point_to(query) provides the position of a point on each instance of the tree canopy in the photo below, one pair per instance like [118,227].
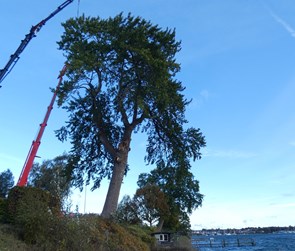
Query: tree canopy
[180,188]
[127,211]
[151,203]
[51,176]
[6,183]
[122,80]
[147,206]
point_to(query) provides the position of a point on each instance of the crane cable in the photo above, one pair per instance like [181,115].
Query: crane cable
[78,9]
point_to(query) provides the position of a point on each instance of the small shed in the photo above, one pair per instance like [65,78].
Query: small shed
[163,237]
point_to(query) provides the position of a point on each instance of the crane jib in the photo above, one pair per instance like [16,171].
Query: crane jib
[15,57]
[23,178]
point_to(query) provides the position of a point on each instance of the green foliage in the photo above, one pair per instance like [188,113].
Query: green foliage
[94,233]
[177,183]
[122,80]
[185,242]
[142,232]
[148,205]
[87,233]
[9,240]
[120,73]
[6,183]
[151,203]
[181,190]
[118,238]
[127,212]
[51,176]
[31,210]
[39,222]
[3,210]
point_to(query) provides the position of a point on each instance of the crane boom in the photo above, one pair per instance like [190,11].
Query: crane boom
[33,31]
[36,143]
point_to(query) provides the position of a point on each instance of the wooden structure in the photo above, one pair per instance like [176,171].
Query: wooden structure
[222,243]
[163,237]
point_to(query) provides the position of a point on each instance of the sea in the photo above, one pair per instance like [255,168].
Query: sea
[251,242]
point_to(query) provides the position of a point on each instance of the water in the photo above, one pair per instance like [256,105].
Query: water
[263,242]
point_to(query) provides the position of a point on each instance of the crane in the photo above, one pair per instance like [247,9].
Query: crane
[33,32]
[36,143]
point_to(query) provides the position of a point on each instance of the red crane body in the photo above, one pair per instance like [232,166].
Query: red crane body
[6,70]
[36,143]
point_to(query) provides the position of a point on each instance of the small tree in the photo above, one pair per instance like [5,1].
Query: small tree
[51,176]
[6,183]
[151,203]
[180,188]
[127,211]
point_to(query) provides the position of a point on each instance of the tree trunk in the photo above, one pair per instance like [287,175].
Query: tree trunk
[111,202]
[160,224]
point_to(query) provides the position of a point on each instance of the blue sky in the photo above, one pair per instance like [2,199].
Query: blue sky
[238,66]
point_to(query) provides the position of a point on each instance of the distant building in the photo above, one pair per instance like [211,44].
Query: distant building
[163,237]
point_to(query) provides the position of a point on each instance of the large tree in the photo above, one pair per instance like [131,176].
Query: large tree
[6,183]
[122,80]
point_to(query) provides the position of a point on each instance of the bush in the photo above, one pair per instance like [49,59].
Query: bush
[30,198]
[9,240]
[32,209]
[143,233]
[35,216]
[91,233]
[3,210]
[110,236]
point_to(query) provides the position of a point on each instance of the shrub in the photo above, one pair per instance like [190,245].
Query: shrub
[9,240]
[36,217]
[92,233]
[143,233]
[108,235]
[32,209]
[3,210]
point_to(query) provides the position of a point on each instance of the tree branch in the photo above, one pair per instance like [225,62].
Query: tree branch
[97,119]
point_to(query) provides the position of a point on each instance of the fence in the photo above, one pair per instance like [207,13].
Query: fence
[222,243]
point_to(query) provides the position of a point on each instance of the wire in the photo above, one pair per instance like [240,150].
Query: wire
[78,9]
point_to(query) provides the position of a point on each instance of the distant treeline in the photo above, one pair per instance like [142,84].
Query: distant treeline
[249,230]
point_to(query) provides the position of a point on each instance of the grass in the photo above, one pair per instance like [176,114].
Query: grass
[36,224]
[9,240]
[88,234]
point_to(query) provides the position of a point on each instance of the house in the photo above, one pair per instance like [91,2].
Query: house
[163,237]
